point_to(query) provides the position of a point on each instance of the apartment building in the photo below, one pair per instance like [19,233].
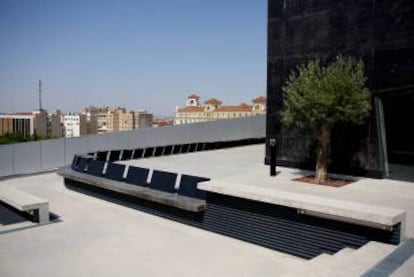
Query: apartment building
[74,125]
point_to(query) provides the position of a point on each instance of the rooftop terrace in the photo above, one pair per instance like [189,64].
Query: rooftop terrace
[95,237]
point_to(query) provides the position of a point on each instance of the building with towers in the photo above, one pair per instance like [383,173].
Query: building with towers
[213,109]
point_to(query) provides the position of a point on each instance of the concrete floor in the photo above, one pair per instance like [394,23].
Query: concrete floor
[99,238]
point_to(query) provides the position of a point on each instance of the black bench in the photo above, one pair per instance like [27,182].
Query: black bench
[163,181]
[126,154]
[115,171]
[148,152]
[138,153]
[114,155]
[150,194]
[160,189]
[188,186]
[167,150]
[158,151]
[81,163]
[96,167]
[137,176]
[101,155]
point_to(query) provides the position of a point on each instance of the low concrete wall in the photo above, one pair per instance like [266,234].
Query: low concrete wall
[32,157]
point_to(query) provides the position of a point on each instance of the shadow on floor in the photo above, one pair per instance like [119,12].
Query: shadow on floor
[11,216]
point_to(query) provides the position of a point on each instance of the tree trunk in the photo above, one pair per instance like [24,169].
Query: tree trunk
[323,134]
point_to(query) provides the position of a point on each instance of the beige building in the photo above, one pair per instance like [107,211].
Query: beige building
[110,120]
[214,110]
[122,120]
[55,124]
[98,119]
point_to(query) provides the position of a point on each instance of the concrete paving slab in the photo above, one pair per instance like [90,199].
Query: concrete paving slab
[99,238]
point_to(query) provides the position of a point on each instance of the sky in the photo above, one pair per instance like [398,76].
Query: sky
[138,54]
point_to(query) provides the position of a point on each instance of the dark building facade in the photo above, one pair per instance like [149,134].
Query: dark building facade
[381,32]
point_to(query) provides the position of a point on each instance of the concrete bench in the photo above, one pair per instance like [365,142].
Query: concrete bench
[339,210]
[26,202]
[146,193]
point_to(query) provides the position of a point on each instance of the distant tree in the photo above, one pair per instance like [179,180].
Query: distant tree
[16,138]
[319,97]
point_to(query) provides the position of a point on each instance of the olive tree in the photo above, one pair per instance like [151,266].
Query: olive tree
[319,97]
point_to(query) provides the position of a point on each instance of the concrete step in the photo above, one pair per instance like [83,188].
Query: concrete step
[349,262]
[343,252]
[325,261]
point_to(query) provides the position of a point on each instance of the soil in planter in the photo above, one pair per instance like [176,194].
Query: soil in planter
[331,182]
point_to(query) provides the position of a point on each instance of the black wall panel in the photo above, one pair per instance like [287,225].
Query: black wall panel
[379,32]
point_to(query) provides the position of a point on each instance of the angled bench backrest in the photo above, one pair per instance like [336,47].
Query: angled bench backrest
[137,176]
[163,180]
[168,150]
[115,171]
[176,149]
[158,151]
[101,155]
[188,186]
[200,146]
[185,148]
[96,168]
[138,153]
[114,155]
[75,162]
[148,152]
[192,147]
[126,154]
[83,164]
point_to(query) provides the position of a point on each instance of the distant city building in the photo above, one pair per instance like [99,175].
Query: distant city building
[122,120]
[214,110]
[142,119]
[40,122]
[91,122]
[55,124]
[22,125]
[160,122]
[74,125]
[118,119]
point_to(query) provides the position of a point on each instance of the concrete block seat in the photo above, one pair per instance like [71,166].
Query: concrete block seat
[25,202]
[160,189]
[376,218]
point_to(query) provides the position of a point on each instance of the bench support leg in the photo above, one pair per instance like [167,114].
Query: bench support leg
[41,214]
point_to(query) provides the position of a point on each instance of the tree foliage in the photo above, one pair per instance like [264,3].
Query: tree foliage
[326,95]
[16,138]
[319,97]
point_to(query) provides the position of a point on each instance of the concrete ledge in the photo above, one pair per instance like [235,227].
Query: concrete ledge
[25,202]
[346,211]
[174,200]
